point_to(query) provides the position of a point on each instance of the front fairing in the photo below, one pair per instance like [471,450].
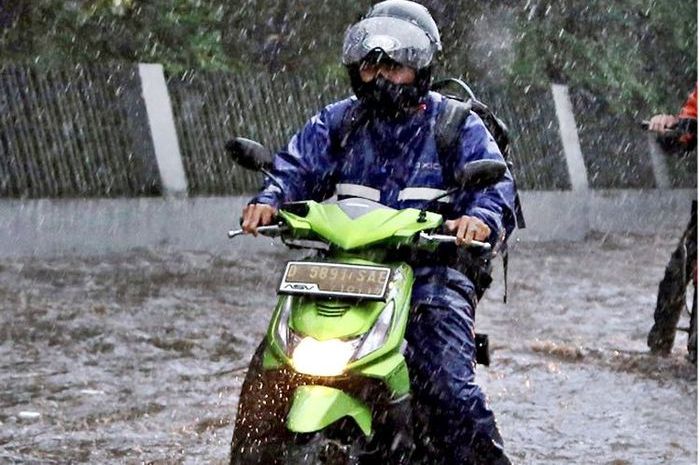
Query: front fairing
[325,318]
[320,401]
[357,232]
[355,223]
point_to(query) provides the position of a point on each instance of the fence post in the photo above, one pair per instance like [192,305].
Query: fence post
[163,132]
[569,137]
[139,134]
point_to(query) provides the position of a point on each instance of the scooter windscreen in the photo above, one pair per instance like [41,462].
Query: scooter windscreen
[355,207]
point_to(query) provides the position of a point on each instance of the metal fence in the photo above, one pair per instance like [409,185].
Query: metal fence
[536,148]
[211,108]
[82,131]
[73,132]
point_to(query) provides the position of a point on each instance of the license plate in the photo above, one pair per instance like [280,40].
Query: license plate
[335,279]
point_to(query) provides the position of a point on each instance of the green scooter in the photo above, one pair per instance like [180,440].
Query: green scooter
[329,384]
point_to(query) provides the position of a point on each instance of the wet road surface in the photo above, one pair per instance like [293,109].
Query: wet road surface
[138,357]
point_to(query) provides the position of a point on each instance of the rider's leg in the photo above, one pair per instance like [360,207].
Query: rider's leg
[693,331]
[441,354]
[669,303]
[691,269]
[671,297]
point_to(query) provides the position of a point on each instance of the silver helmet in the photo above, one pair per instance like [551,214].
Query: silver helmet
[401,29]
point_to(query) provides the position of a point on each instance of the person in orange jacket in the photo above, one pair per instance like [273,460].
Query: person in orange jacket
[682,266]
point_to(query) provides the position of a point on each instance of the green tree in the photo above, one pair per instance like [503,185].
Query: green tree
[181,34]
[632,53]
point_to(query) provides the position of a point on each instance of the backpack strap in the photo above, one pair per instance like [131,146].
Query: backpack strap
[448,127]
[342,124]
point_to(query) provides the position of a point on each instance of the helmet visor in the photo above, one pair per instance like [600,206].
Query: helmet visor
[401,40]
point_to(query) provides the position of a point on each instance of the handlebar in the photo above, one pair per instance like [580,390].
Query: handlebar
[425,238]
[684,126]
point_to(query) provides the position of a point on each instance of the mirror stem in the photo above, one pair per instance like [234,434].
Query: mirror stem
[272,178]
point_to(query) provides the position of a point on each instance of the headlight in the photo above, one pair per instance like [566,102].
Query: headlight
[377,335]
[322,358]
[330,357]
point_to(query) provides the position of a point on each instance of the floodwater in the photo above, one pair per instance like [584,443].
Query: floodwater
[138,357]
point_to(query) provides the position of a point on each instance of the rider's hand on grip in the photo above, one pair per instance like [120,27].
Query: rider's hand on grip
[257,214]
[468,228]
[662,123]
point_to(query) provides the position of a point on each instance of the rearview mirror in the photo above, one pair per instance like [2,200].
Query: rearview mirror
[249,154]
[481,173]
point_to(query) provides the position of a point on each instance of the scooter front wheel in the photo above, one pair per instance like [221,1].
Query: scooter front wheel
[318,449]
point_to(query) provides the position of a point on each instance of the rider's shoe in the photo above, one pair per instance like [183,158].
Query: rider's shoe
[493,460]
[486,452]
[502,460]
[660,341]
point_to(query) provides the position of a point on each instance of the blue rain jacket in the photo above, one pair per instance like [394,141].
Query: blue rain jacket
[395,163]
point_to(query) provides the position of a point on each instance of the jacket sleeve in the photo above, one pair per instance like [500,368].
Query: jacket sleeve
[494,205]
[304,169]
[690,107]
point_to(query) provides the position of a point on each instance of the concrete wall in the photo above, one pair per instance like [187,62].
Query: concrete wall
[570,215]
[88,227]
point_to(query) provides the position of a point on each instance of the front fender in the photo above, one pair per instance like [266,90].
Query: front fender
[316,407]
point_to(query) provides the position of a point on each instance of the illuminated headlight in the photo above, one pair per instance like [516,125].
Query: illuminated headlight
[322,358]
[331,357]
[377,335]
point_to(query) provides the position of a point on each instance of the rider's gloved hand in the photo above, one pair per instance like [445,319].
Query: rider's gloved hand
[662,123]
[468,228]
[257,214]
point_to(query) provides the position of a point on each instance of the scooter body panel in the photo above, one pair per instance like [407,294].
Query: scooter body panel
[363,240]
[316,407]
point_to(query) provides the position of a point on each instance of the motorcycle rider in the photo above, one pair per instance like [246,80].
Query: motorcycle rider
[390,156]
[679,271]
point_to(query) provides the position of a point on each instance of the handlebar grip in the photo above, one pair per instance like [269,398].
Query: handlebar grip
[235,232]
[448,239]
[682,127]
[269,231]
[482,245]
